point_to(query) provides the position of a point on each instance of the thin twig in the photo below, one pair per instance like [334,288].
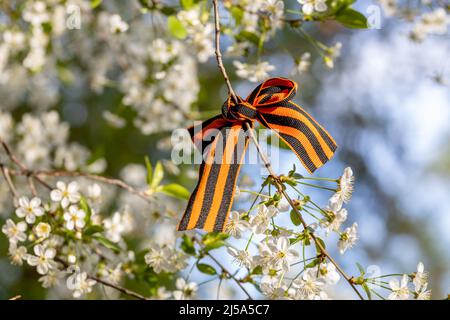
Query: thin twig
[32,186]
[231,275]
[112,181]
[219,54]
[5,173]
[119,288]
[108,284]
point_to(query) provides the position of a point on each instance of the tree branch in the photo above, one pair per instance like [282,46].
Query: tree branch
[118,288]
[230,274]
[219,54]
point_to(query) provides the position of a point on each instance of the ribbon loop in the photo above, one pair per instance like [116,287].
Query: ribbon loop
[271,104]
[240,111]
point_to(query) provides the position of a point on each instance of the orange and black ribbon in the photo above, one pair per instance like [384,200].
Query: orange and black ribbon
[271,104]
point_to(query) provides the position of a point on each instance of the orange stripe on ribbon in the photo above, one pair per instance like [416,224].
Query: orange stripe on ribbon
[269,103]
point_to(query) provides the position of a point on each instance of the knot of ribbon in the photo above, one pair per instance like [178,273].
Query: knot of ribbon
[224,145]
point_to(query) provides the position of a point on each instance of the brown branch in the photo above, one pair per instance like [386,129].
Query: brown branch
[107,283]
[5,173]
[111,181]
[118,288]
[230,274]
[218,53]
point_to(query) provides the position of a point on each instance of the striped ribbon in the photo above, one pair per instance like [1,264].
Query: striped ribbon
[223,140]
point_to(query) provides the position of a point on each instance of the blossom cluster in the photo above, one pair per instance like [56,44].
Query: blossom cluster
[429,17]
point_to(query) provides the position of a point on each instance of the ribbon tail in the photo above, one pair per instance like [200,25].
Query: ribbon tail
[209,205]
[312,144]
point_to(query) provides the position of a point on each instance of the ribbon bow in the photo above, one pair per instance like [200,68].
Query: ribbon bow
[269,103]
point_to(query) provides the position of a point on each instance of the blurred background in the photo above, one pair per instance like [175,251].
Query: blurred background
[386,102]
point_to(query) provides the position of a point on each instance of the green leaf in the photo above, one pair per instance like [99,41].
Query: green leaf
[158,175]
[313,263]
[86,208]
[237,14]
[95,3]
[214,240]
[319,240]
[367,290]
[214,245]
[295,218]
[176,28]
[206,268]
[257,270]
[175,190]
[108,243]
[187,245]
[214,236]
[93,230]
[168,11]
[149,167]
[249,36]
[352,19]
[361,269]
[187,4]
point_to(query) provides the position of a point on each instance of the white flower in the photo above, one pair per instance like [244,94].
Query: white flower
[237,49]
[15,232]
[162,294]
[236,226]
[345,186]
[434,22]
[36,13]
[272,290]
[29,209]
[94,192]
[328,272]
[17,254]
[348,238]
[162,52]
[400,290]
[260,222]
[241,257]
[331,54]
[185,290]
[253,72]
[303,63]
[43,258]
[51,278]
[309,285]
[116,24]
[336,215]
[65,194]
[14,40]
[80,283]
[309,6]
[74,218]
[117,225]
[420,277]
[282,255]
[42,230]
[389,7]
[423,293]
[158,258]
[274,9]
